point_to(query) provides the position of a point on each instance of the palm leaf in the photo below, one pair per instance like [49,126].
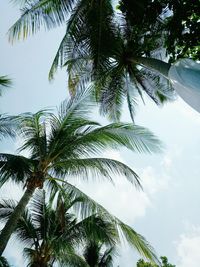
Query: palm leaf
[8,125]
[133,137]
[27,232]
[37,14]
[14,167]
[138,242]
[84,209]
[95,168]
[6,209]
[4,83]
[33,130]
[4,262]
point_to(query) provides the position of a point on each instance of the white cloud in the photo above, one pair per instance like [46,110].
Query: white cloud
[167,162]
[122,199]
[153,182]
[187,247]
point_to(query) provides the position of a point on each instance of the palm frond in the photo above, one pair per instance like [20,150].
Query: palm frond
[69,126]
[115,135]
[108,257]
[37,208]
[84,209]
[37,14]
[14,167]
[95,168]
[26,232]
[72,260]
[91,253]
[98,228]
[112,96]
[8,126]
[91,27]
[85,138]
[32,127]
[138,242]
[5,82]
[4,262]
[59,58]
[155,86]
[76,107]
[6,208]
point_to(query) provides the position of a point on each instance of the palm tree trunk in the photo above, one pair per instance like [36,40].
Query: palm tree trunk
[13,219]
[154,64]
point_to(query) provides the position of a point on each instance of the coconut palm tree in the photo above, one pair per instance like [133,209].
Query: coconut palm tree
[118,52]
[65,146]
[53,232]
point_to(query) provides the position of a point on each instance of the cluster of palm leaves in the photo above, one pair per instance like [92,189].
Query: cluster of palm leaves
[52,234]
[113,51]
[56,222]
[110,49]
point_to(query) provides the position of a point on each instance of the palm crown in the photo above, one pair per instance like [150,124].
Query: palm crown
[104,48]
[61,147]
[52,233]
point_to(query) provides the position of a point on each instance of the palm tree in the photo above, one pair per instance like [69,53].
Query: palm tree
[116,53]
[53,234]
[64,146]
[51,231]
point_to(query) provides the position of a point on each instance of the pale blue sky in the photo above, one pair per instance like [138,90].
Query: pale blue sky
[167,212]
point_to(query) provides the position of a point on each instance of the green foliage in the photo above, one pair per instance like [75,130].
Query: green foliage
[182,38]
[4,262]
[8,125]
[52,231]
[164,263]
[177,25]
[96,254]
[63,145]
[102,48]
[49,232]
[66,146]
[4,83]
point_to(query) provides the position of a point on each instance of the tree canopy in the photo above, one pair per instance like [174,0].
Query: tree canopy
[67,146]
[164,263]
[112,47]
[116,49]
[52,232]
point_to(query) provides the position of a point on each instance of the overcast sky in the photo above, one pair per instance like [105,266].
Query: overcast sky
[167,212]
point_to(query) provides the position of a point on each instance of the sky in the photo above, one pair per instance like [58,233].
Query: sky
[166,212]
